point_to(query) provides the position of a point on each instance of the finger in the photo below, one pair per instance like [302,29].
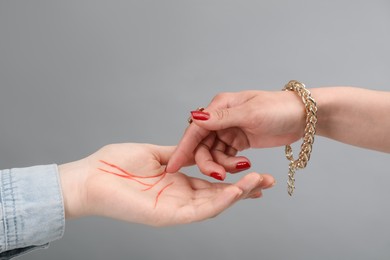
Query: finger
[206,164]
[231,151]
[255,194]
[214,205]
[231,164]
[220,118]
[218,153]
[206,157]
[249,182]
[267,182]
[163,153]
[195,134]
[184,152]
[199,184]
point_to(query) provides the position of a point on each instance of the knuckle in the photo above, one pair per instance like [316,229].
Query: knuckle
[220,96]
[222,113]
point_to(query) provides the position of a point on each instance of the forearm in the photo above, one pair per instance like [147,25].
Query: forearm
[354,116]
[31,209]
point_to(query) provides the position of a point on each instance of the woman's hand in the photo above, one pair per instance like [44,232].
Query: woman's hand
[129,182]
[236,121]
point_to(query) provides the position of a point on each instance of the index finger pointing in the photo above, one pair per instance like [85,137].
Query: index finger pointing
[184,152]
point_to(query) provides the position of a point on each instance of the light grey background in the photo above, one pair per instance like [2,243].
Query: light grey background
[76,75]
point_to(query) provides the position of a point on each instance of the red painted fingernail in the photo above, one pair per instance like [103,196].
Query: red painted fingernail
[243,165]
[217,176]
[200,115]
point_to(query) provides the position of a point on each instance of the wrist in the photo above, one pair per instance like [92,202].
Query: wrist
[326,110]
[72,178]
[295,118]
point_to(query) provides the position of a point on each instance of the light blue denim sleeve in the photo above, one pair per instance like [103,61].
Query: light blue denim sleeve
[31,209]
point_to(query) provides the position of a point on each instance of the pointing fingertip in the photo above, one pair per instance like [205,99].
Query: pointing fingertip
[168,169]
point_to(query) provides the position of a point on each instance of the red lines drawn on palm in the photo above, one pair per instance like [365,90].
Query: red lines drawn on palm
[148,182]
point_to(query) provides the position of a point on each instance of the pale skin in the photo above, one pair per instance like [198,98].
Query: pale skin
[233,122]
[87,190]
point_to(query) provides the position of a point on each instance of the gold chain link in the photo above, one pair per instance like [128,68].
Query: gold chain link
[308,137]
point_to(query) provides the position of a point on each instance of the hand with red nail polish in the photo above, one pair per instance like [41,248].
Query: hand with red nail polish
[237,121]
[233,122]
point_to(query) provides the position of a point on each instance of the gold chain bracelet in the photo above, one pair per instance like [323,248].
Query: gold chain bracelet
[308,137]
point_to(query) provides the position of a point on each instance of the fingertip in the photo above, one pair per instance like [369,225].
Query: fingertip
[178,160]
[170,168]
[268,181]
[206,120]
[200,115]
[237,164]
[218,176]
[207,166]
[243,165]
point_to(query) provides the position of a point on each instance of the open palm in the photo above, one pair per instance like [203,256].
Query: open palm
[128,182]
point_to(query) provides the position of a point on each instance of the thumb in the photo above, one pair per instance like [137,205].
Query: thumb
[219,118]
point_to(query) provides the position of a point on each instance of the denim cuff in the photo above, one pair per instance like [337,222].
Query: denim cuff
[31,209]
